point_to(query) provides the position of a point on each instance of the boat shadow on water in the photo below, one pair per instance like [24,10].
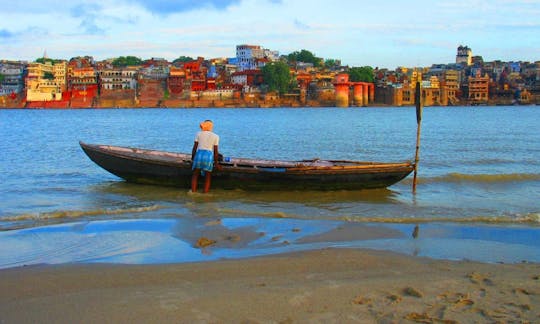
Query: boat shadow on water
[151,193]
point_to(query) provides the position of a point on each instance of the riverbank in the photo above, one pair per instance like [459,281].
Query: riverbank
[329,285]
[132,102]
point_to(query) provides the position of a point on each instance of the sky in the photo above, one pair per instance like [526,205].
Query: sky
[384,34]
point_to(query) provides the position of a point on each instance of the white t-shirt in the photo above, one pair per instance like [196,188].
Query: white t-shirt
[206,140]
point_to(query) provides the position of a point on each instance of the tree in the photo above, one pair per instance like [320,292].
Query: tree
[48,76]
[44,60]
[276,76]
[330,63]
[124,61]
[2,77]
[182,59]
[304,56]
[361,74]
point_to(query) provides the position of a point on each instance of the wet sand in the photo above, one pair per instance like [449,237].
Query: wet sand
[322,286]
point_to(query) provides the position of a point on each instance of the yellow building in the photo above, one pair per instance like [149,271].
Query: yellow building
[60,75]
[46,82]
[431,92]
[450,88]
[83,76]
[416,76]
[479,89]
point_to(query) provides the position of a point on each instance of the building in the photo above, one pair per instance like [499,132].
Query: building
[450,88]
[82,76]
[83,85]
[154,72]
[118,79]
[431,92]
[247,78]
[218,94]
[12,82]
[176,82]
[60,75]
[252,57]
[46,82]
[464,55]
[478,89]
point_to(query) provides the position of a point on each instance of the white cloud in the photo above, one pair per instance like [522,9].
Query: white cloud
[385,34]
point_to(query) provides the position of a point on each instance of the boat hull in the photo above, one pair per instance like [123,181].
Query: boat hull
[174,169]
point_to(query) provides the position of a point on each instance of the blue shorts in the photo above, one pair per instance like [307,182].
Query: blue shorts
[204,160]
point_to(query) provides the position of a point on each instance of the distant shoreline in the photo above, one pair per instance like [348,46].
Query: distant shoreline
[260,107]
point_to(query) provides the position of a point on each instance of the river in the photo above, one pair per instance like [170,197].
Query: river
[478,193]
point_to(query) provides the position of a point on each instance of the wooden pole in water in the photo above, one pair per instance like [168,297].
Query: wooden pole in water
[418,101]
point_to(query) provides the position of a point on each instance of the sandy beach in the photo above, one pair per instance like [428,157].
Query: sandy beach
[322,286]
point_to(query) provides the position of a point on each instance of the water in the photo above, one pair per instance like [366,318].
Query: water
[479,173]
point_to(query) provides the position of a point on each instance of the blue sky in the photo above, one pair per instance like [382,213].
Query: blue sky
[375,33]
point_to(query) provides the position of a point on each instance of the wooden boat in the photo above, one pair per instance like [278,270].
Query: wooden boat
[174,169]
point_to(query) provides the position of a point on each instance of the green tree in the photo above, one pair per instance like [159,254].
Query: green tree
[330,63]
[44,60]
[182,59]
[277,76]
[124,61]
[304,56]
[361,74]
[2,77]
[48,76]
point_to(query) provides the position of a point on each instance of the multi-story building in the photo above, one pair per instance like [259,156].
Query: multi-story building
[83,84]
[118,87]
[247,78]
[246,55]
[403,94]
[60,74]
[478,89]
[416,76]
[252,57]
[431,92]
[198,80]
[83,76]
[531,72]
[82,81]
[12,81]
[46,82]
[464,55]
[176,82]
[154,72]
[450,88]
[118,79]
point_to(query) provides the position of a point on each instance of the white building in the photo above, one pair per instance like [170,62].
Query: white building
[252,57]
[239,78]
[13,77]
[116,79]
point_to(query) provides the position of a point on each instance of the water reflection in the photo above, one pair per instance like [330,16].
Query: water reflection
[162,193]
[178,203]
[146,241]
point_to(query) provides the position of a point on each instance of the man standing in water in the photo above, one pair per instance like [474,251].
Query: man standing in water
[204,155]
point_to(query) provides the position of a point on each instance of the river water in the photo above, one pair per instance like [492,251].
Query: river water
[478,193]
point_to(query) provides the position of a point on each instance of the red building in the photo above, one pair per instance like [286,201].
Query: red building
[176,81]
[82,83]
